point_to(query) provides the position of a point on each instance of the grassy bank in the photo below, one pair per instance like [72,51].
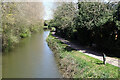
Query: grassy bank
[74,64]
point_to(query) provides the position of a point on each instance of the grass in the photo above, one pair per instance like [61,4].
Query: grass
[74,64]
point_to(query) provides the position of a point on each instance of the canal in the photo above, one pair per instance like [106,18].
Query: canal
[31,58]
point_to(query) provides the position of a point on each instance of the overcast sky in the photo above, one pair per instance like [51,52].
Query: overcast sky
[48,7]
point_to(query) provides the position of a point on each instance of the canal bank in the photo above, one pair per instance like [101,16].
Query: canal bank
[32,58]
[75,64]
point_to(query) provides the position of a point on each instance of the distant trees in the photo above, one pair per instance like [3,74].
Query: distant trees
[19,20]
[91,22]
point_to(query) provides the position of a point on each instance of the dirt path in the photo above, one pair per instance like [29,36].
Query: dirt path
[109,60]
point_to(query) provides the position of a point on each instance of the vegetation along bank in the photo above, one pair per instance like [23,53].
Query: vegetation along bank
[19,20]
[74,64]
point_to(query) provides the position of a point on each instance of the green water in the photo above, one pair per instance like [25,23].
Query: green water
[32,58]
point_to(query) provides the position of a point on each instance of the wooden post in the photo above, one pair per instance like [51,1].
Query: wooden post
[104,58]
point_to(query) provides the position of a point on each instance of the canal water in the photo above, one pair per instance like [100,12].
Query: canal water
[32,58]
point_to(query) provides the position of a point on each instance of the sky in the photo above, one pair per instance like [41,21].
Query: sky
[48,7]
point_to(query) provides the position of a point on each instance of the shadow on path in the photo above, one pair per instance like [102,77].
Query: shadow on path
[88,52]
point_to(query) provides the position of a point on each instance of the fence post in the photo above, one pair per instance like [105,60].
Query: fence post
[104,58]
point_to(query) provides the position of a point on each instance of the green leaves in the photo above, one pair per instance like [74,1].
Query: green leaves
[19,20]
[117,16]
[92,14]
[64,17]
[92,22]
[64,14]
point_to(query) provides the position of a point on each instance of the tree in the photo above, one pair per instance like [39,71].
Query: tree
[64,18]
[19,20]
[93,14]
[117,16]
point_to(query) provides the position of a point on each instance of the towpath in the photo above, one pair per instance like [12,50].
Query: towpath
[110,60]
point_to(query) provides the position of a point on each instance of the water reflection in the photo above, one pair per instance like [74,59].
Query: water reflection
[32,58]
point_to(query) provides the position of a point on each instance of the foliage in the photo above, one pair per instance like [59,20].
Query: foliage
[90,23]
[52,28]
[117,16]
[19,20]
[46,22]
[63,18]
[93,14]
